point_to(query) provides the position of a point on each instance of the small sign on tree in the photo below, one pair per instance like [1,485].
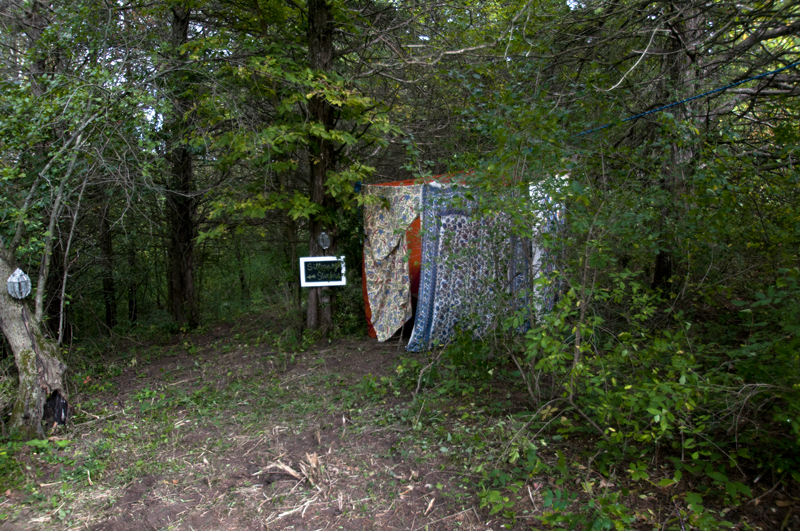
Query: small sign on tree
[318,271]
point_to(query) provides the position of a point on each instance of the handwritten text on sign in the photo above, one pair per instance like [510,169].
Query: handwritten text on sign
[317,271]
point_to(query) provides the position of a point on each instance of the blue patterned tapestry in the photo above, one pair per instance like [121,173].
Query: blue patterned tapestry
[472,268]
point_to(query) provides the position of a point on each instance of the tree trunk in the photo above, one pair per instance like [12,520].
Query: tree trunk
[107,268]
[181,206]
[133,313]
[290,251]
[290,227]
[54,303]
[321,154]
[41,372]
[663,271]
[682,72]
[181,201]
[244,289]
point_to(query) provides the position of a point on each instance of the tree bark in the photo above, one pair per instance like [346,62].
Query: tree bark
[290,228]
[55,213]
[181,215]
[107,268]
[662,270]
[133,286]
[244,289]
[321,155]
[181,200]
[682,74]
[41,371]
[53,300]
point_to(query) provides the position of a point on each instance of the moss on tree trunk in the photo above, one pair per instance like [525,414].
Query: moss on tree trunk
[41,371]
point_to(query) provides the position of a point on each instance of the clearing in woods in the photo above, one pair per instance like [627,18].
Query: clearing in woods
[225,429]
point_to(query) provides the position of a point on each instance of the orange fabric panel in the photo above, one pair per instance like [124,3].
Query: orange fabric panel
[414,242]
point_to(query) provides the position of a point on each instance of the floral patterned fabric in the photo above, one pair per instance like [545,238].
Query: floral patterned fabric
[471,267]
[551,221]
[385,250]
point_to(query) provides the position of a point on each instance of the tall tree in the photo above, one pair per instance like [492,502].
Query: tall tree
[34,176]
[181,207]
[322,155]
[63,106]
[300,104]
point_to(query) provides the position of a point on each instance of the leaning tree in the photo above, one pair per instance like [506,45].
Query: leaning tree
[66,88]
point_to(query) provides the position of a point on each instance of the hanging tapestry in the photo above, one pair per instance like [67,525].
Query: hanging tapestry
[472,268]
[385,260]
[545,257]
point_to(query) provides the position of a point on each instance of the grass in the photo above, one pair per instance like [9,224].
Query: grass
[235,429]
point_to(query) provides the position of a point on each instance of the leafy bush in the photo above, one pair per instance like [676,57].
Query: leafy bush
[651,387]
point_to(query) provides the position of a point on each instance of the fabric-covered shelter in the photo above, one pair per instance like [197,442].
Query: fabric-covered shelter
[432,252]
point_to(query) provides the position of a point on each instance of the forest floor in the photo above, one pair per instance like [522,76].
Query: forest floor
[219,429]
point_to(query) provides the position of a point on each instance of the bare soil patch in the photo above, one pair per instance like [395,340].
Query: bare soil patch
[199,435]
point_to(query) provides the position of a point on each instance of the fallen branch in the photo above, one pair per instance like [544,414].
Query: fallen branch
[302,507]
[756,500]
[289,470]
[590,421]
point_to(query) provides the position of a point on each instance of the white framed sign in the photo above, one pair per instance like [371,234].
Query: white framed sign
[318,271]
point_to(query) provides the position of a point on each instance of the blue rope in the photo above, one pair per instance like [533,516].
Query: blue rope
[689,99]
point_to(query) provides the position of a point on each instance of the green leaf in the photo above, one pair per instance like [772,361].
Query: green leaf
[693,498]
[718,477]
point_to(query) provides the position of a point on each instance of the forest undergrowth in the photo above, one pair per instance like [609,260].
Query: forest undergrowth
[244,425]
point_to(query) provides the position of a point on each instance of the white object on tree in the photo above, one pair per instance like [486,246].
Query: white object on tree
[324,240]
[19,284]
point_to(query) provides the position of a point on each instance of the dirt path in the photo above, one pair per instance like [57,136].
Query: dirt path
[238,436]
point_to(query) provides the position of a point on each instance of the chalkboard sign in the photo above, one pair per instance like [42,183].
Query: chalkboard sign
[316,271]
